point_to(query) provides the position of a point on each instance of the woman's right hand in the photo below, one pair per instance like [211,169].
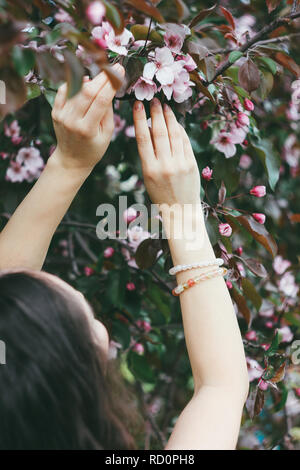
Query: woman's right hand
[170,169]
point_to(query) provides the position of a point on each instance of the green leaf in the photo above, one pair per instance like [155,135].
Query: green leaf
[140,368]
[259,233]
[23,60]
[146,253]
[270,159]
[234,56]
[114,17]
[251,293]
[33,91]
[269,64]
[121,333]
[274,346]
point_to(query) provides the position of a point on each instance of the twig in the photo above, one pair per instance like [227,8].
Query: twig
[265,30]
[72,255]
[86,248]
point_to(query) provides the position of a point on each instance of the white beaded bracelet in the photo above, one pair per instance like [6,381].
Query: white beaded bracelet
[186,267]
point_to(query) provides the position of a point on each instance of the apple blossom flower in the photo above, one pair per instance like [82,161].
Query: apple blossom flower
[223,142]
[182,84]
[269,324]
[31,158]
[95,12]
[189,63]
[263,385]
[105,37]
[138,348]
[287,285]
[245,161]
[238,134]
[130,132]
[16,173]
[258,191]
[88,271]
[207,173]
[161,66]
[144,325]
[173,41]
[260,218]
[292,112]
[291,151]
[113,349]
[296,94]
[243,119]
[144,89]
[251,335]
[108,252]
[129,215]
[255,371]
[119,125]
[225,230]
[280,265]
[13,131]
[130,286]
[286,334]
[248,104]
[63,16]
[135,236]
[3,155]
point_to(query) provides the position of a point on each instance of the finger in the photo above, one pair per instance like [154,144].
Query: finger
[160,132]
[103,100]
[61,97]
[174,131]
[107,123]
[142,134]
[188,150]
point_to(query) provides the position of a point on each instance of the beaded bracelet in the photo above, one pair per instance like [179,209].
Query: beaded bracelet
[202,277]
[185,267]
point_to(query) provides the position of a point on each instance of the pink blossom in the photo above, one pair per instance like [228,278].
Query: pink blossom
[269,324]
[129,215]
[263,385]
[119,125]
[189,63]
[248,104]
[135,236]
[286,334]
[260,218]
[224,144]
[63,17]
[245,161]
[287,285]
[280,265]
[88,271]
[95,12]
[292,112]
[239,250]
[291,151]
[229,284]
[161,66]
[144,89]
[3,155]
[238,134]
[255,371]
[225,230]
[243,119]
[106,38]
[207,173]
[258,191]
[130,286]
[13,131]
[265,346]
[182,84]
[251,335]
[31,158]
[144,325]
[108,252]
[16,173]
[138,348]
[173,41]
[130,132]
[296,94]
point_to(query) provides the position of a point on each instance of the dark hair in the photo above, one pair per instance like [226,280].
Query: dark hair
[54,393]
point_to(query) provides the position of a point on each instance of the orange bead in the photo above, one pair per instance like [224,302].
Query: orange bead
[191,282]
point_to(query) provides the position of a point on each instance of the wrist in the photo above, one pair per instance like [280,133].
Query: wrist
[62,164]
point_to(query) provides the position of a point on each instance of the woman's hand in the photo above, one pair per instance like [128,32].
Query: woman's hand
[169,166]
[84,124]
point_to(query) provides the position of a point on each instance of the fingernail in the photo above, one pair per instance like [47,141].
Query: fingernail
[167,108]
[138,105]
[155,102]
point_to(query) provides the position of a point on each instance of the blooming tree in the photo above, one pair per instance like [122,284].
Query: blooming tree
[230,73]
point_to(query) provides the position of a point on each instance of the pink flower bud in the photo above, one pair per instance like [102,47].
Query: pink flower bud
[130,286]
[138,348]
[266,346]
[258,191]
[88,271]
[95,12]
[207,173]
[260,218]
[248,105]
[269,324]
[225,230]
[129,215]
[251,335]
[243,119]
[245,142]
[108,252]
[204,125]
[263,385]
[229,284]
[239,250]
[297,392]
[144,325]
[245,161]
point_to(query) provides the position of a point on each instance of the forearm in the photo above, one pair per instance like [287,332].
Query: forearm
[25,240]
[211,330]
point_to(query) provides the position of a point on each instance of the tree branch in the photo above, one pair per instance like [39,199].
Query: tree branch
[258,36]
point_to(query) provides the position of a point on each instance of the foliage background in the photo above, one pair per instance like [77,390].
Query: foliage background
[158,367]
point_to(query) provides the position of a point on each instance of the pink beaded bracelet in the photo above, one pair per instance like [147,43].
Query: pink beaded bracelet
[202,277]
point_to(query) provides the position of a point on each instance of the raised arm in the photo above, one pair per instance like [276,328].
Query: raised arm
[211,420]
[83,126]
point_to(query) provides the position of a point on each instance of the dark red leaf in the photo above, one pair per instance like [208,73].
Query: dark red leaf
[287,62]
[149,10]
[13,93]
[256,267]
[259,233]
[228,17]
[241,304]
[279,375]
[249,76]
[272,4]
[201,16]
[222,193]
